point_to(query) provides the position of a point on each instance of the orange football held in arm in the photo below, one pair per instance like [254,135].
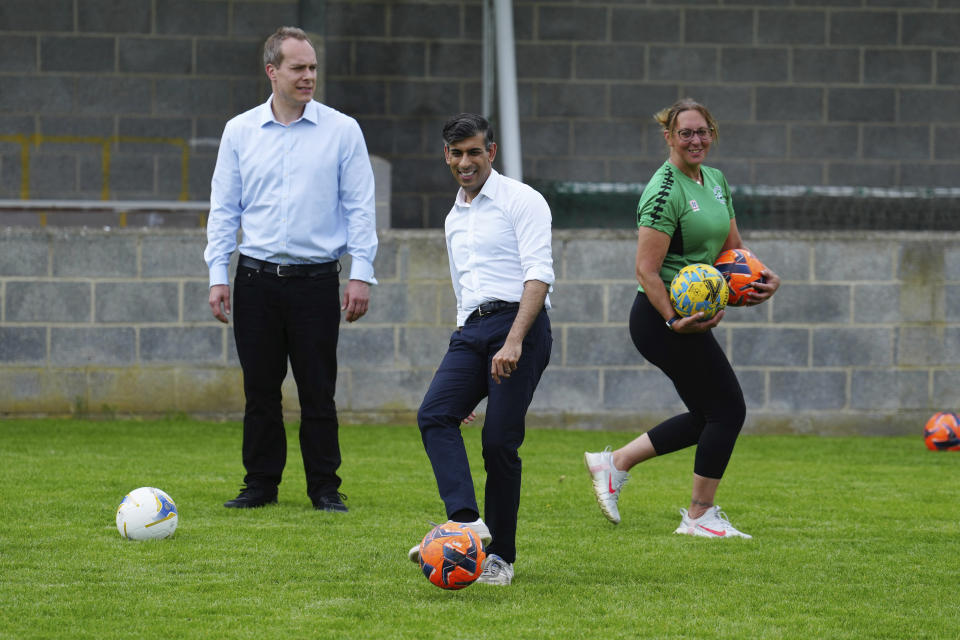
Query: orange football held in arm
[741,269]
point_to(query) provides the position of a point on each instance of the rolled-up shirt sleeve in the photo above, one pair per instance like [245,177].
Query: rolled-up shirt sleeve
[533,224]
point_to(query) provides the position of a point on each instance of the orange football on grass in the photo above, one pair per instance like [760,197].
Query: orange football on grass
[451,556]
[942,432]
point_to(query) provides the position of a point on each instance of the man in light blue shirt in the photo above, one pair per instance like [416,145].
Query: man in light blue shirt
[295,177]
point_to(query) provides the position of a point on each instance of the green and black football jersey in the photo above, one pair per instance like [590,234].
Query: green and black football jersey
[696,217]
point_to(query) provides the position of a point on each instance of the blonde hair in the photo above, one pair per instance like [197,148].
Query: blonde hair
[272,53]
[667,118]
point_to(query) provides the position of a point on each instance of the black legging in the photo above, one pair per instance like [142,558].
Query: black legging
[706,383]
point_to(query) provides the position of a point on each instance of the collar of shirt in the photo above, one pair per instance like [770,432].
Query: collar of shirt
[497,242]
[488,190]
[311,113]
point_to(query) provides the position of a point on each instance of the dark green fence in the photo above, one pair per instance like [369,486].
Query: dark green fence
[578,205]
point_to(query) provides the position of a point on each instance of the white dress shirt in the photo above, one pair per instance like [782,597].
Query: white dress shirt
[497,242]
[302,193]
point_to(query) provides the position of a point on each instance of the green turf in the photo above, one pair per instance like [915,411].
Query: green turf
[853,538]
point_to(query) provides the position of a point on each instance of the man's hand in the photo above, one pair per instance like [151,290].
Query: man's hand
[505,360]
[356,299]
[531,303]
[220,302]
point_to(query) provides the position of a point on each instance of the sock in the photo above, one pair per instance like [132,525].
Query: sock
[465,515]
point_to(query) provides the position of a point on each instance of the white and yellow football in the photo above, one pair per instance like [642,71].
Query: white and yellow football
[147,513]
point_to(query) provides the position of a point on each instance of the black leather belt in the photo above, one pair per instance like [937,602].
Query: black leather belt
[289,270]
[493,306]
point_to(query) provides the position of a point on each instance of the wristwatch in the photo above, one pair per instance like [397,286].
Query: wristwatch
[671,321]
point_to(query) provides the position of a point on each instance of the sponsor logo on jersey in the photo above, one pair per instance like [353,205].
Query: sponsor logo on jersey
[718,194]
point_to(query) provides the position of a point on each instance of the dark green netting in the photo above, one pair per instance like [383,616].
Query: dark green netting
[613,206]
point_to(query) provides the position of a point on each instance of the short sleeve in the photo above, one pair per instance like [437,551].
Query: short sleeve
[658,210]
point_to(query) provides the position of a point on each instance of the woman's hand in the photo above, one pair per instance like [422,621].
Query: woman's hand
[762,291]
[696,323]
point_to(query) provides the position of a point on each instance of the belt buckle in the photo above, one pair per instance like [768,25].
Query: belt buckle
[280,274]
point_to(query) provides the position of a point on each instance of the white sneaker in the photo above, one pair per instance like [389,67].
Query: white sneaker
[477,526]
[607,482]
[496,571]
[712,524]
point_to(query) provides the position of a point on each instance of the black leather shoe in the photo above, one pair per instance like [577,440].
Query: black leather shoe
[332,502]
[252,497]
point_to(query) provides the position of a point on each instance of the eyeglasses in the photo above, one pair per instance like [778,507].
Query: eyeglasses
[687,134]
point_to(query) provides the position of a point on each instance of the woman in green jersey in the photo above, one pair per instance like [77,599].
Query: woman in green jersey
[685,216]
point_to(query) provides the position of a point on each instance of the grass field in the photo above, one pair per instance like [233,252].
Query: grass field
[853,538]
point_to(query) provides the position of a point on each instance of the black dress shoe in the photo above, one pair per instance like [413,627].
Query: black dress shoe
[252,497]
[332,502]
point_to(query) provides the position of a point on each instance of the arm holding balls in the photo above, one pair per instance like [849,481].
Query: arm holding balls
[760,290]
[652,246]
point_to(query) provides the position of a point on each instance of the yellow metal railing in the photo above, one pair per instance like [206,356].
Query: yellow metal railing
[105,143]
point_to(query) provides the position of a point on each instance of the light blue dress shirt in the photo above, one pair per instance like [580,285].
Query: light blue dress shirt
[301,193]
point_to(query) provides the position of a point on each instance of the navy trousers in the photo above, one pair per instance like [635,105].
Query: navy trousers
[460,383]
[276,319]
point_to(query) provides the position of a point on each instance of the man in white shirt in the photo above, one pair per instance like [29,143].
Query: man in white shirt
[294,175]
[499,247]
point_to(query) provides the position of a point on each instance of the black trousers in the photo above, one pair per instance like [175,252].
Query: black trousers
[460,383]
[703,377]
[277,319]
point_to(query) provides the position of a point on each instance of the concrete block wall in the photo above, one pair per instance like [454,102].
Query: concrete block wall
[108,99]
[842,92]
[126,100]
[862,338]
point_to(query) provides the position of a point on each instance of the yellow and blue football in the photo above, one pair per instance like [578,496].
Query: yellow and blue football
[696,288]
